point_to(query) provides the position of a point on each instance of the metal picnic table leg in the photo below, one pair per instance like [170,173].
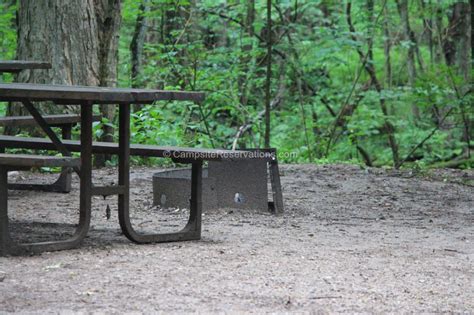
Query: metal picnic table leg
[7,246]
[4,234]
[192,230]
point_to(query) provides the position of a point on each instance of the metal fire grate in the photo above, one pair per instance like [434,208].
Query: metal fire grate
[226,184]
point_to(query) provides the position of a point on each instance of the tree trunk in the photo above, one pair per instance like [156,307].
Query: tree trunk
[108,24]
[269,74]
[250,18]
[138,42]
[462,15]
[428,27]
[439,34]
[63,33]
[79,38]
[223,37]
[370,32]
[405,19]
[387,44]
[472,35]
[457,43]
[246,49]
[412,49]
[136,47]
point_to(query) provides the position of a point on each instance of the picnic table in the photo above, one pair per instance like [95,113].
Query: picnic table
[86,98]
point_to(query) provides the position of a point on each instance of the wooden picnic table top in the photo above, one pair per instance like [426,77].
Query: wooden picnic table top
[18,65]
[67,94]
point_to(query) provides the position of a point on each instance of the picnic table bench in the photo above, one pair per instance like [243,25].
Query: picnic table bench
[64,121]
[86,97]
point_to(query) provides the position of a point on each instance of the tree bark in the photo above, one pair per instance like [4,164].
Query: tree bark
[370,33]
[428,27]
[269,74]
[409,36]
[472,35]
[387,45]
[138,42]
[439,33]
[463,60]
[457,43]
[246,49]
[405,19]
[108,24]
[80,40]
[63,33]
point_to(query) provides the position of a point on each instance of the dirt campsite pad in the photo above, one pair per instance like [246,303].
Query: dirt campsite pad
[351,240]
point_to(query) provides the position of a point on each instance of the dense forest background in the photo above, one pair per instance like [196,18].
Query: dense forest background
[376,82]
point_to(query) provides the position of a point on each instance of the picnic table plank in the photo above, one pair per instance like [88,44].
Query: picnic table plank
[28,160]
[52,120]
[64,94]
[19,65]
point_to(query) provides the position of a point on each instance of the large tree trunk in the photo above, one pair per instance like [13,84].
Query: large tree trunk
[79,38]
[63,33]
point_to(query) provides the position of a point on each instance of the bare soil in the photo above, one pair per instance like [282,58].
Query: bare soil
[351,240]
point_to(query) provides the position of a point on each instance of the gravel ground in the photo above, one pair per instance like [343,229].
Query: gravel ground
[351,240]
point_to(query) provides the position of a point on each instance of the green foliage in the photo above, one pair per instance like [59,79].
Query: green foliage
[7,31]
[317,76]
[213,52]
[7,41]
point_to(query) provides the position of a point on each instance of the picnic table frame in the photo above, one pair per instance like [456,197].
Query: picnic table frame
[86,98]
